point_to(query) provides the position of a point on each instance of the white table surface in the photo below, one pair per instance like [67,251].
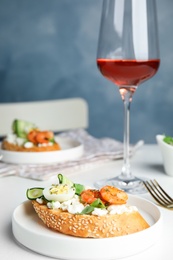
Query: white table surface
[147,162]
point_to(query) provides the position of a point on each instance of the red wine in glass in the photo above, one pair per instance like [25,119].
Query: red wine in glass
[128,55]
[128,72]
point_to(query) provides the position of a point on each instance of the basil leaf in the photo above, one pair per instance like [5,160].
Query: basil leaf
[97,204]
[87,210]
[79,188]
[52,140]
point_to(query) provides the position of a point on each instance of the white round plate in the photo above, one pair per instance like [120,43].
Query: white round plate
[71,150]
[30,231]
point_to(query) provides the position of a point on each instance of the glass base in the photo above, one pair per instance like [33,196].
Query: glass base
[133,185]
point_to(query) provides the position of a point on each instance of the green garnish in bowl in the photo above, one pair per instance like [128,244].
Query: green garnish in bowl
[168,140]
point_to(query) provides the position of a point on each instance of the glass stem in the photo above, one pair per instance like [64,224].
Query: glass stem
[126,95]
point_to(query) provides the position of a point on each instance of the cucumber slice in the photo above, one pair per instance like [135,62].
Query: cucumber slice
[64,180]
[21,127]
[34,193]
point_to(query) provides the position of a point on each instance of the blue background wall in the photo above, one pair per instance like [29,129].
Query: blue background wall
[48,50]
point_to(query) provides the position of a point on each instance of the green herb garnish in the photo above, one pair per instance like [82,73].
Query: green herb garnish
[97,204]
[87,210]
[79,188]
[168,140]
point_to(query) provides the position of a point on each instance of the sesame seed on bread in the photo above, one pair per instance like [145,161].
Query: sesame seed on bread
[82,225]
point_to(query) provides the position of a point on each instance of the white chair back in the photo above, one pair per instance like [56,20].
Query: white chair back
[55,115]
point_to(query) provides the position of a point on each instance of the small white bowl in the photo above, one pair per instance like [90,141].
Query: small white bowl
[167,154]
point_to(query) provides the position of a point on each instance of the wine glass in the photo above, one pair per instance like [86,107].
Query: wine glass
[128,55]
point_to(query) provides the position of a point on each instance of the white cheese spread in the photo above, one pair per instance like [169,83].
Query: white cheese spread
[74,206]
[14,139]
[28,145]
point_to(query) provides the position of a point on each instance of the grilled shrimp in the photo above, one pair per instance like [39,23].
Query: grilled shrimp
[113,195]
[89,196]
[32,136]
[36,136]
[44,136]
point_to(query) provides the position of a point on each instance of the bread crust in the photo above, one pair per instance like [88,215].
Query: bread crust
[90,225]
[12,147]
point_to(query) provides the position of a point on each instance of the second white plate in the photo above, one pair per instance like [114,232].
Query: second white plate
[30,231]
[71,150]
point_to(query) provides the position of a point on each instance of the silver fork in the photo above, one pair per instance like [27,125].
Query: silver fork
[159,194]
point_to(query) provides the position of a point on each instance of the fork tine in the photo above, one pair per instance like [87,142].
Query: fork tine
[165,194]
[159,194]
[153,193]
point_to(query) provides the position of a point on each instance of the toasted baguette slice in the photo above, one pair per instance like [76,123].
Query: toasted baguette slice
[12,147]
[90,225]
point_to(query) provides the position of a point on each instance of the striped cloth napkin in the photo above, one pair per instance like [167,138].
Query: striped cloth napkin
[96,151]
